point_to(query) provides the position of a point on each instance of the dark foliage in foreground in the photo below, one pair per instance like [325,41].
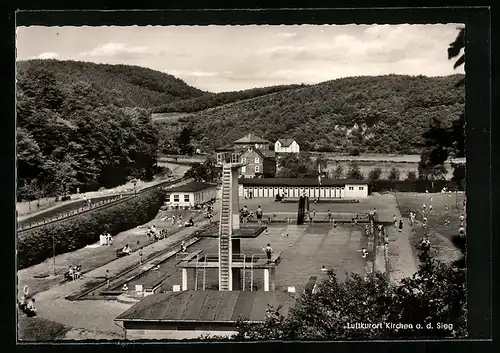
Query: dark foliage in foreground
[35,246]
[435,295]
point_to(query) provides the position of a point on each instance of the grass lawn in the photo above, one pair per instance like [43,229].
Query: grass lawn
[38,279]
[440,235]
[38,329]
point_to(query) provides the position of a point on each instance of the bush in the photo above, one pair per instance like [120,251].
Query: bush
[35,246]
[411,185]
[354,151]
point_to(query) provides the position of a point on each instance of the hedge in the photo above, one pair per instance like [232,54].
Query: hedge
[413,185]
[35,246]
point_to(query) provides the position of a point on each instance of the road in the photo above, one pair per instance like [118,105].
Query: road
[64,208]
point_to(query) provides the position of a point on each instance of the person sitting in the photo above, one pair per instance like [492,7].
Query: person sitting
[22,303]
[126,250]
[125,287]
[183,246]
[30,308]
[78,272]
[71,273]
[189,223]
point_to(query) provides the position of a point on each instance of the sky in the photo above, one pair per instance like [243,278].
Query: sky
[231,58]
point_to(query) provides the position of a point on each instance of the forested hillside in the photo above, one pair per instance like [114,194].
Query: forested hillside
[70,135]
[211,100]
[383,114]
[122,85]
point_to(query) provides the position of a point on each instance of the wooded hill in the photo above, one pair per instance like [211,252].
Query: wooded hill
[382,114]
[122,85]
[211,100]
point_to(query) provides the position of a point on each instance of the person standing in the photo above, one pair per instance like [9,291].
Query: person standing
[259,214]
[140,256]
[462,220]
[400,225]
[329,216]
[269,251]
[395,221]
[107,278]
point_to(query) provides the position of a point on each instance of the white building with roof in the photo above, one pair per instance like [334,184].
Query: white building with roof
[286,146]
[191,194]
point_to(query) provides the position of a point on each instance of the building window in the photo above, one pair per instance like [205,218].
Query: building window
[257,160]
[244,168]
[234,158]
[186,198]
[244,160]
[361,188]
[176,198]
[351,187]
[257,169]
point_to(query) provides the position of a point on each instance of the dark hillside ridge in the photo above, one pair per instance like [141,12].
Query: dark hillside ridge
[123,85]
[376,114]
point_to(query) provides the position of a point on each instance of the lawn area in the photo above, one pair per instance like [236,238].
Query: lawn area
[38,279]
[440,234]
[38,329]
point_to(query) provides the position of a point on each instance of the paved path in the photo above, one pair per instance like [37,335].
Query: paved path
[401,259]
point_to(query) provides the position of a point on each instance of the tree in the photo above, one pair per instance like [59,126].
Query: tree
[184,141]
[441,141]
[435,294]
[338,173]
[322,162]
[459,174]
[354,172]
[375,174]
[394,174]
[411,175]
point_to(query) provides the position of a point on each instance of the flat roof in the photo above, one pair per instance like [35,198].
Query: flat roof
[312,182]
[245,231]
[192,186]
[208,306]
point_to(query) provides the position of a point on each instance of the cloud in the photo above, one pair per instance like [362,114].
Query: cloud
[47,55]
[286,35]
[119,51]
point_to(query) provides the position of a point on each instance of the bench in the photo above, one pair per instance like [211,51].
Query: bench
[311,283]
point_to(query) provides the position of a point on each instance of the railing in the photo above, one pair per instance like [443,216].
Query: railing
[99,205]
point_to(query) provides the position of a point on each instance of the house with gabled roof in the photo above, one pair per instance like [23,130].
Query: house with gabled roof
[286,146]
[257,152]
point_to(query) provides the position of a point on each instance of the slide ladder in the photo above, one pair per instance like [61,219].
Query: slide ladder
[225,231]
[248,274]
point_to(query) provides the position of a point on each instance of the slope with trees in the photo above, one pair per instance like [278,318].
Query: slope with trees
[385,114]
[71,136]
[212,100]
[122,85]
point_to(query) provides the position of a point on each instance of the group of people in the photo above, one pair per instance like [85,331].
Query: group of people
[106,239]
[27,306]
[154,234]
[74,273]
[246,215]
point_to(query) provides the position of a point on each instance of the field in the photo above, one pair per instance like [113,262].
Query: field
[404,163]
[440,235]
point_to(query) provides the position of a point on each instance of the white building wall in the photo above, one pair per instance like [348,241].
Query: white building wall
[192,198]
[310,191]
[293,148]
[356,191]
